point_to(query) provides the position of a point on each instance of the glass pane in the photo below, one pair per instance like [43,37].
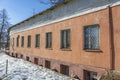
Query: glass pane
[95,37]
[91,36]
[68,39]
[86,37]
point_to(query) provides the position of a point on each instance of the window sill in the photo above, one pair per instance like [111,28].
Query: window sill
[66,49]
[37,47]
[90,50]
[49,48]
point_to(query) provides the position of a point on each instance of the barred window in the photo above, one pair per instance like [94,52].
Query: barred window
[47,64]
[29,41]
[49,40]
[37,40]
[36,60]
[91,37]
[64,69]
[22,41]
[65,39]
[89,75]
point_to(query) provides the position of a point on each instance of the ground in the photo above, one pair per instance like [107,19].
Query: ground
[19,69]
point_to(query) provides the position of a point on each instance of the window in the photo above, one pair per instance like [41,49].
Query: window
[47,64]
[49,40]
[12,42]
[91,37]
[36,60]
[89,75]
[64,69]
[17,41]
[12,54]
[21,56]
[27,58]
[65,39]
[16,55]
[22,41]
[37,40]
[29,41]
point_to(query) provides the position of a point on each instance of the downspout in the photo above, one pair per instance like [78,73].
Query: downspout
[111,39]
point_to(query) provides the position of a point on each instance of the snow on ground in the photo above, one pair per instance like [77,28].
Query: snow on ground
[19,69]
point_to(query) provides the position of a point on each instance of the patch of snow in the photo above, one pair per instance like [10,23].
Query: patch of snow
[19,69]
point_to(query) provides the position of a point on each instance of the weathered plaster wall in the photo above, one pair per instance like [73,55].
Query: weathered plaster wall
[116,29]
[76,55]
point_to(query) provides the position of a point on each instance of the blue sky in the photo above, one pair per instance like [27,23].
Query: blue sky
[19,10]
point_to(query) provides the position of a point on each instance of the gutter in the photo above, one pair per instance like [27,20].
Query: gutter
[111,34]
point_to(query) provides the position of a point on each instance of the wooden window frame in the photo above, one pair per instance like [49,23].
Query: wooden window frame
[64,69]
[22,41]
[49,40]
[65,41]
[29,41]
[90,44]
[27,58]
[90,75]
[37,40]
[36,61]
[47,64]
[17,41]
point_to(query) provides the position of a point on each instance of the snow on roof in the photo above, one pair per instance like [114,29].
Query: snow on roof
[41,13]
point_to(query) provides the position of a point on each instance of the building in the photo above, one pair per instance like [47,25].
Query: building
[75,37]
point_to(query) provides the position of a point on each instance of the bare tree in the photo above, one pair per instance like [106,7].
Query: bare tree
[4,25]
[51,2]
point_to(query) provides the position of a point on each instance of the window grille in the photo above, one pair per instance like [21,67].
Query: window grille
[64,69]
[91,36]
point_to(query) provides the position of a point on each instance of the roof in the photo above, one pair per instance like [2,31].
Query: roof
[41,13]
[99,4]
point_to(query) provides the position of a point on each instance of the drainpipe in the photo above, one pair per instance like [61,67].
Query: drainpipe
[111,34]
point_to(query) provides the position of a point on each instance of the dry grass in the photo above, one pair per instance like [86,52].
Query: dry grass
[111,75]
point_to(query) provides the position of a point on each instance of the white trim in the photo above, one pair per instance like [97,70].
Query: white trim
[79,13]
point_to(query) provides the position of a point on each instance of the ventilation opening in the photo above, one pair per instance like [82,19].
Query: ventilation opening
[16,55]
[27,58]
[21,56]
[47,64]
[89,75]
[64,69]
[36,60]
[12,55]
